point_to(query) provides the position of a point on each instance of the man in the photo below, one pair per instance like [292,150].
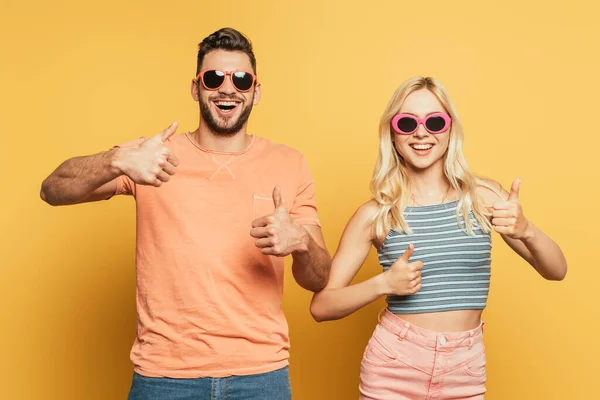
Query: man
[217,210]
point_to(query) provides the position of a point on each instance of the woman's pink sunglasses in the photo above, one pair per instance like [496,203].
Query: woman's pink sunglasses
[406,124]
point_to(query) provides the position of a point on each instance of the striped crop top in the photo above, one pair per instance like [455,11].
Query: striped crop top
[456,272]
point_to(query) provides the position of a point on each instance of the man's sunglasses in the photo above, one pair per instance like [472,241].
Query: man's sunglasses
[213,79]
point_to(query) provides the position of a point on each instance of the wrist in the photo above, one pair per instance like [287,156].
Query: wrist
[529,233]
[381,284]
[303,240]
[117,160]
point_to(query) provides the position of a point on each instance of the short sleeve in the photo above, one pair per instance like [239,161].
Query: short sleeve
[125,185]
[304,209]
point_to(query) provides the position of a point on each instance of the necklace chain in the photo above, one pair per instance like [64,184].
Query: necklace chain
[412,197]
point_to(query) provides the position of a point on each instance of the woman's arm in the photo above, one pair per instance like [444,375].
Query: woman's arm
[521,234]
[337,299]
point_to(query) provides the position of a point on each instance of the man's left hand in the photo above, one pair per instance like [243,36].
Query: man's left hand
[277,234]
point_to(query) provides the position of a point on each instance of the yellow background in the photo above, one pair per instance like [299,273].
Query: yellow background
[78,76]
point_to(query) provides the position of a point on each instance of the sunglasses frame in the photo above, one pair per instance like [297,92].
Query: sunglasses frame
[422,121]
[200,77]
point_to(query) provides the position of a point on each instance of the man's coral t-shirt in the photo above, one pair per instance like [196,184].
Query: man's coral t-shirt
[208,301]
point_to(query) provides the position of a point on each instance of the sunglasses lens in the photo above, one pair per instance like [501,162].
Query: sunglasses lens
[242,80]
[406,124]
[213,79]
[435,124]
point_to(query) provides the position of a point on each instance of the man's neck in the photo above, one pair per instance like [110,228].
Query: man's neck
[224,143]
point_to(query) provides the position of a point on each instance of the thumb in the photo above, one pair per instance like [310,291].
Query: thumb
[277,200]
[514,190]
[167,133]
[408,253]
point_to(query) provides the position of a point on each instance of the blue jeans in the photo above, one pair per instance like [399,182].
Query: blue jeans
[273,385]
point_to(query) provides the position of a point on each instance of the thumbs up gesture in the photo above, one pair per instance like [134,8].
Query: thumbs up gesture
[508,218]
[404,277]
[277,234]
[151,162]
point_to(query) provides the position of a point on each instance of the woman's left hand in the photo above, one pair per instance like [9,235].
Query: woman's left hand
[508,218]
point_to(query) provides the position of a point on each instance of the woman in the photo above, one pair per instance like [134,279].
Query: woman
[430,220]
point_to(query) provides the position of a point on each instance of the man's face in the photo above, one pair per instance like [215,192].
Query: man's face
[226,109]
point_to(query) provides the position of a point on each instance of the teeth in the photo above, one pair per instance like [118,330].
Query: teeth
[422,146]
[226,103]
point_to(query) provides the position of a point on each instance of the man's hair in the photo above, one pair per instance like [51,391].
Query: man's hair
[225,39]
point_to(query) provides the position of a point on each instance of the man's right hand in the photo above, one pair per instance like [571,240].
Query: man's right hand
[404,277]
[151,162]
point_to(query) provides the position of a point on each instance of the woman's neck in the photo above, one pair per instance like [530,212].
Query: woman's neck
[429,186]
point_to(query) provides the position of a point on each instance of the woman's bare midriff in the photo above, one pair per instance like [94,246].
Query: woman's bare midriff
[447,321]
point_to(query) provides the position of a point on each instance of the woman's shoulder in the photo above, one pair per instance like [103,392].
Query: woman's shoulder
[490,191]
[367,211]
[364,219]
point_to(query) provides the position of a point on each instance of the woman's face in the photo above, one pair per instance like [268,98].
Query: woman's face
[421,149]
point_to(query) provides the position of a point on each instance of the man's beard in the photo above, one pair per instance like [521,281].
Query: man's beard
[220,130]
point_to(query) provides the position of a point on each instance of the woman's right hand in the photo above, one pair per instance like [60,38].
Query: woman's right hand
[404,277]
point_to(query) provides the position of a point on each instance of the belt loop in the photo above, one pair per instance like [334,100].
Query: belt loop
[379,315]
[404,331]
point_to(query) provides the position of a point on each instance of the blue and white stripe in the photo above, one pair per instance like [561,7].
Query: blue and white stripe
[456,273]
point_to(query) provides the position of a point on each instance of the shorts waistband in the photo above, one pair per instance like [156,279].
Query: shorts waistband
[426,338]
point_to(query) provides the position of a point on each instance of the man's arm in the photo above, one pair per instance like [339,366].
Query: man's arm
[278,235]
[82,179]
[92,178]
[311,265]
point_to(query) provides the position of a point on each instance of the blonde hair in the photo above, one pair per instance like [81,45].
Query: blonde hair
[390,184]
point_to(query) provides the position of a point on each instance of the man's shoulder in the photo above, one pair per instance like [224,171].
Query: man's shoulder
[278,149]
